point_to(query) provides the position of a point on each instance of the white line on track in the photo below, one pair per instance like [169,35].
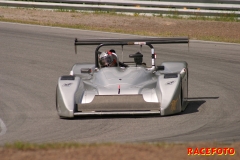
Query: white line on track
[3,128]
[201,41]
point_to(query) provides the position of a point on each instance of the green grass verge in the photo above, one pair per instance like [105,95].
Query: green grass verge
[35,146]
[229,17]
[19,145]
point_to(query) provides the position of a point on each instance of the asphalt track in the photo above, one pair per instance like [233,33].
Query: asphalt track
[33,57]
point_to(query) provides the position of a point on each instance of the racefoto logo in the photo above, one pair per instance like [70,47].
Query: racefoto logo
[210,151]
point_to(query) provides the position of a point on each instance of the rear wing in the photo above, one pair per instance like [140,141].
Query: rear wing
[131,41]
[128,41]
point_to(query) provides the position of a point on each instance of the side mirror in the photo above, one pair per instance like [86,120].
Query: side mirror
[138,57]
[160,68]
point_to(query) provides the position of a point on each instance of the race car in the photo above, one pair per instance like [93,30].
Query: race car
[113,86]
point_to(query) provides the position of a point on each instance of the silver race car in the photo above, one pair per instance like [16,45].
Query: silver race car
[112,86]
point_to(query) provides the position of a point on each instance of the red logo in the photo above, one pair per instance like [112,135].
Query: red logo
[210,151]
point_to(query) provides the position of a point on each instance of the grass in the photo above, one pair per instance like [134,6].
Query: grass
[35,146]
[45,146]
[224,17]
[96,11]
[19,145]
[65,10]
[230,17]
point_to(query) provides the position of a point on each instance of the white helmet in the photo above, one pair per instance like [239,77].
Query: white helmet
[107,59]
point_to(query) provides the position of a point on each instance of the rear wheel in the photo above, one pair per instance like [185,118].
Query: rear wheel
[181,100]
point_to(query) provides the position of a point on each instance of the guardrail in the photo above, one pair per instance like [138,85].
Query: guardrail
[152,7]
[202,1]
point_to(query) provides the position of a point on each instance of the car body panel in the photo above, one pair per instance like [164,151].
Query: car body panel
[137,89]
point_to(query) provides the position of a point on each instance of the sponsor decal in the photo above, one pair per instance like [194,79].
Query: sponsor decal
[170,83]
[67,84]
[140,43]
[210,151]
[118,89]
[174,105]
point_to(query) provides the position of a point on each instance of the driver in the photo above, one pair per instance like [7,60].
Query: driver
[108,59]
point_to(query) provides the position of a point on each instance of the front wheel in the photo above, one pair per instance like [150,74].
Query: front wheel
[57,106]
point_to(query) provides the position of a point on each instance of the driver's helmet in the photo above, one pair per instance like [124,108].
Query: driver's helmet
[107,59]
